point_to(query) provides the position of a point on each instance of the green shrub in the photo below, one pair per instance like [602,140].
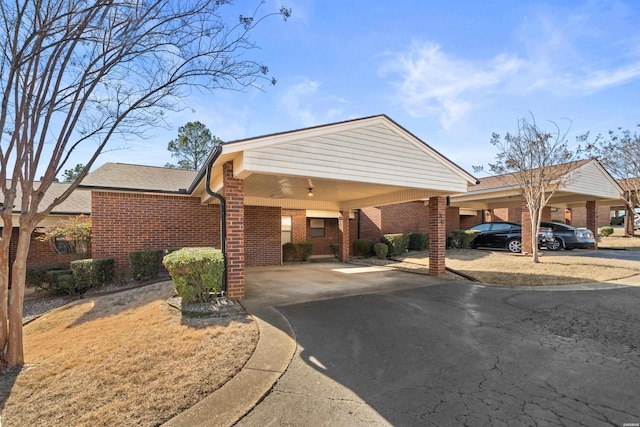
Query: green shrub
[88,273]
[398,243]
[145,264]
[296,252]
[196,272]
[605,231]
[305,250]
[418,241]
[381,250]
[363,247]
[335,249]
[62,283]
[290,252]
[37,274]
[461,238]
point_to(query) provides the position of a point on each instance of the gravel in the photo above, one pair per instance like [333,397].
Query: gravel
[36,307]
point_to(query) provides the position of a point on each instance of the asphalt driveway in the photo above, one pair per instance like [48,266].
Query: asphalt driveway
[454,353]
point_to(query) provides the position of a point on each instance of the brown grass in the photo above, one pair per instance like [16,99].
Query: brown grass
[617,240]
[503,268]
[122,359]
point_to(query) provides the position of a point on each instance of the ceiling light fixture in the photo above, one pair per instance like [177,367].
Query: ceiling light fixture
[310,193]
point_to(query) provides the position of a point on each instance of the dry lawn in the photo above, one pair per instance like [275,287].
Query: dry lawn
[503,268]
[122,359]
[617,240]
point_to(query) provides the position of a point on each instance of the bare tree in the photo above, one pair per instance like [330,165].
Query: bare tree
[74,73]
[540,163]
[619,153]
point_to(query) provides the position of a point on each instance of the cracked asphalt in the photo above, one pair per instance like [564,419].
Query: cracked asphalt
[461,354]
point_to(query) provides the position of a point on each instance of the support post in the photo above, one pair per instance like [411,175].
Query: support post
[437,235]
[343,230]
[592,219]
[525,222]
[233,192]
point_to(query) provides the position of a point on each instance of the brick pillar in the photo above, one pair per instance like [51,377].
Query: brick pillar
[525,222]
[343,236]
[592,219]
[233,192]
[568,216]
[437,235]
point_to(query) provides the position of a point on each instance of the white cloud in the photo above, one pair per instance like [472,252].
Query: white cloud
[308,105]
[434,83]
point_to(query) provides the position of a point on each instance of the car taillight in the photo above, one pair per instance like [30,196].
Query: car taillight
[586,234]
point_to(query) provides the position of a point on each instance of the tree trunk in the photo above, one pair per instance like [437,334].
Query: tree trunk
[4,293]
[14,350]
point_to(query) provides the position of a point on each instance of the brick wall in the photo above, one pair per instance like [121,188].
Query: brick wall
[578,216]
[453,219]
[408,217]
[124,222]
[331,235]
[262,245]
[467,221]
[370,224]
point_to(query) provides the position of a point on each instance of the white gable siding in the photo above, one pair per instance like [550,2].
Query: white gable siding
[590,179]
[373,153]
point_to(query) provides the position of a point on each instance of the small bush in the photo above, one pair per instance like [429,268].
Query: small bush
[305,250]
[381,250]
[290,252]
[37,274]
[89,273]
[145,264]
[196,272]
[363,247]
[605,231]
[398,243]
[418,241]
[460,239]
[62,283]
[296,252]
[335,249]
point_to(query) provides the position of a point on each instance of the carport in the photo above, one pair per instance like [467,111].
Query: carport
[338,167]
[588,185]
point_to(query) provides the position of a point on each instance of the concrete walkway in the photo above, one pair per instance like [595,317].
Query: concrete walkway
[292,284]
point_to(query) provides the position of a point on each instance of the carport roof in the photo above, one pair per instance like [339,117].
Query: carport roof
[588,180]
[357,163]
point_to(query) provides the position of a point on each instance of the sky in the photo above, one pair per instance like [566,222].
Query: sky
[451,72]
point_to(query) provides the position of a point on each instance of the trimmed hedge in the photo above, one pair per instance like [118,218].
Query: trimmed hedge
[145,264]
[418,241]
[398,243]
[296,252]
[605,231]
[37,274]
[381,250]
[63,283]
[196,272]
[88,273]
[460,239]
[363,247]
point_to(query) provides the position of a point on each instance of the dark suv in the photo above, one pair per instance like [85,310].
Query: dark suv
[506,235]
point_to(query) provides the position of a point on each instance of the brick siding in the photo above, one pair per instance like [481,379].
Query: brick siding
[262,244]
[125,222]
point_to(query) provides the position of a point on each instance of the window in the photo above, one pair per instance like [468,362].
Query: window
[501,227]
[285,230]
[317,227]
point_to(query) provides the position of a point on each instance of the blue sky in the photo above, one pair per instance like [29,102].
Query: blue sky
[451,72]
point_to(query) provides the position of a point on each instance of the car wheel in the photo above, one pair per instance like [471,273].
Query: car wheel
[556,245]
[514,246]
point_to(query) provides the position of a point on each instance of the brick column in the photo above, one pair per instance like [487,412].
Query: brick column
[525,222]
[343,236]
[233,192]
[592,219]
[437,235]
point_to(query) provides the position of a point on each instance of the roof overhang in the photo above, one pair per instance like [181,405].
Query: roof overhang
[342,166]
[588,182]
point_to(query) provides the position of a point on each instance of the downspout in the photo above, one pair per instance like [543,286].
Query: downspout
[217,150]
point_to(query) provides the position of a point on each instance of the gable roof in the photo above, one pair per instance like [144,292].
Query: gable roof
[139,178]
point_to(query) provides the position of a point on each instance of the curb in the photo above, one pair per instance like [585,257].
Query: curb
[231,402]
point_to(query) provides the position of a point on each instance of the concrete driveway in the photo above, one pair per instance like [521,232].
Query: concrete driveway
[414,350]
